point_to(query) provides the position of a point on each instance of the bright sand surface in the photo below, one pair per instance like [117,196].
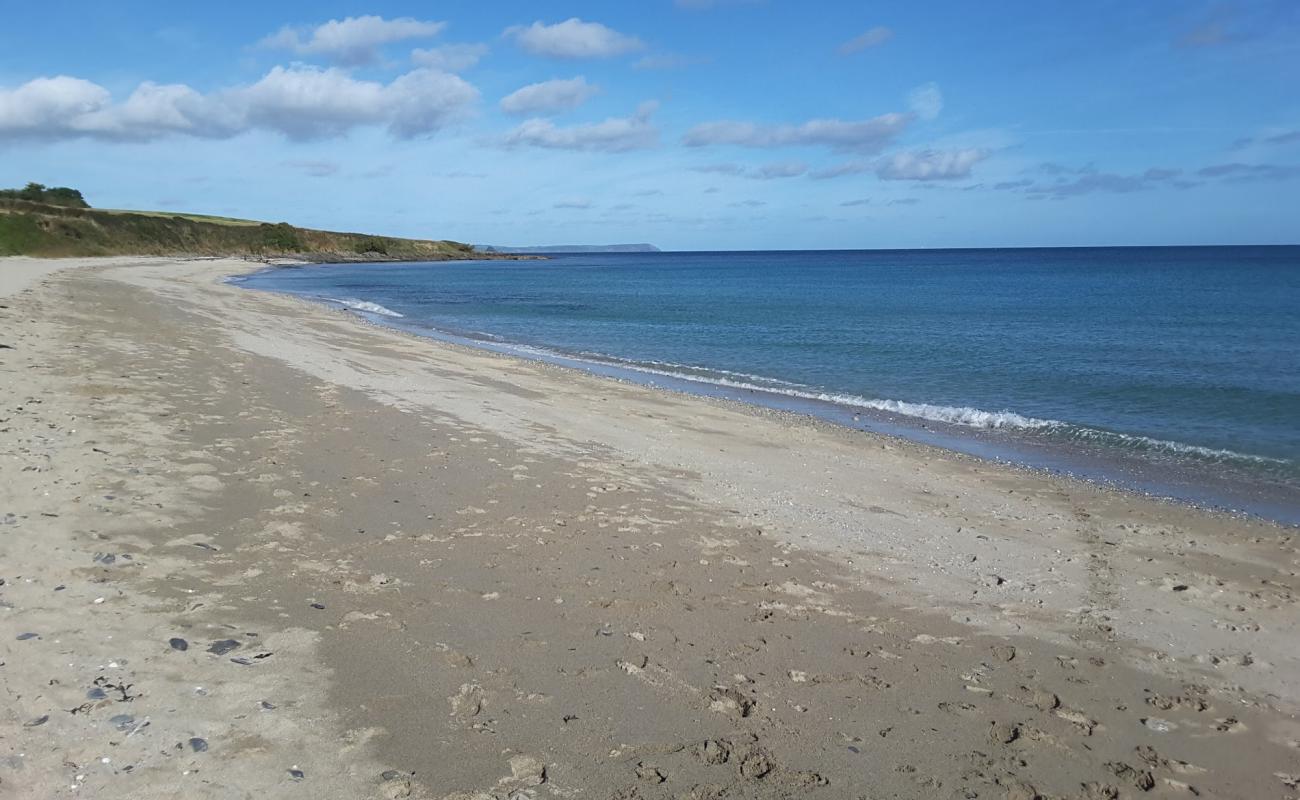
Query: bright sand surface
[253,547]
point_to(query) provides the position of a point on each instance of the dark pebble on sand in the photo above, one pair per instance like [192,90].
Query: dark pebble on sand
[121,721]
[198,745]
[268,706]
[178,643]
[853,749]
[297,774]
[22,637]
[222,647]
[318,606]
[41,720]
[391,774]
[96,694]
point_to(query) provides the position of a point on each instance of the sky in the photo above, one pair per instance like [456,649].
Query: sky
[690,124]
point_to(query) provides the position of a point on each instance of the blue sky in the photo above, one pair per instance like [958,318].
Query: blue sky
[692,124]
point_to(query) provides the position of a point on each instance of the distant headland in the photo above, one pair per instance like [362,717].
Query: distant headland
[569,248]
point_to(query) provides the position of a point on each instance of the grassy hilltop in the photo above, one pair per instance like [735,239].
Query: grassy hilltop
[57,221]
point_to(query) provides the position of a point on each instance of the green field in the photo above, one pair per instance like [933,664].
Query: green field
[58,222]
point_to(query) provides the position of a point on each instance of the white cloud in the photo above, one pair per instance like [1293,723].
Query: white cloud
[549,97]
[869,136]
[353,40]
[930,165]
[573,38]
[301,102]
[872,38]
[450,57]
[926,101]
[614,135]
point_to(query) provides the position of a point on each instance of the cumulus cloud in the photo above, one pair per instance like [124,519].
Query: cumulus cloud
[926,101]
[301,102]
[449,57]
[573,38]
[549,97]
[307,103]
[353,40]
[865,41]
[63,107]
[930,165]
[614,135]
[870,135]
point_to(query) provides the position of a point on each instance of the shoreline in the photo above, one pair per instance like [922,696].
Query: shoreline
[1206,487]
[486,576]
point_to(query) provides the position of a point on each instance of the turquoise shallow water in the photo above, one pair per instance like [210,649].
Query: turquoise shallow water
[1175,369]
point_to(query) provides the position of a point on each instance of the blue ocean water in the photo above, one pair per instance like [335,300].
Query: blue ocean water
[1174,369]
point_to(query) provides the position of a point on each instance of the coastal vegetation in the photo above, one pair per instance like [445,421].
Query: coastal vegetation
[58,222]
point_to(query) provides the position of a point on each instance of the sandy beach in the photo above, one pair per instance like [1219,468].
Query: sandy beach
[254,547]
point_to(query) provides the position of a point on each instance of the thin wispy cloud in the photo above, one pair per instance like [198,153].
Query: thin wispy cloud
[352,40]
[573,38]
[869,135]
[1244,173]
[930,165]
[549,97]
[873,37]
[926,101]
[613,135]
[316,169]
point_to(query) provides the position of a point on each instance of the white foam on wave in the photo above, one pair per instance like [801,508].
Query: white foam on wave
[365,306]
[963,416]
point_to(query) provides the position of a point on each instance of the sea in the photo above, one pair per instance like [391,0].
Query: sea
[1171,371]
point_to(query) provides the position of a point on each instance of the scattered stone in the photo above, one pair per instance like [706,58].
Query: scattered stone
[178,643]
[727,700]
[318,606]
[527,770]
[1159,725]
[224,646]
[297,774]
[122,722]
[96,694]
[39,721]
[198,745]
[22,637]
[649,773]
[1004,652]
